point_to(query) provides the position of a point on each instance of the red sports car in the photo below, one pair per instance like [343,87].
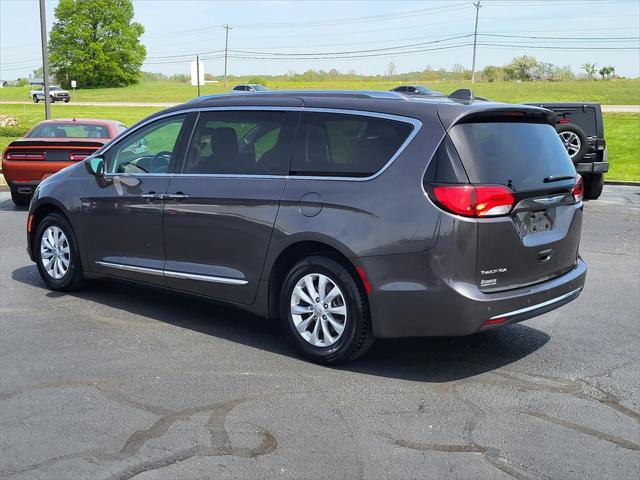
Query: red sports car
[49,147]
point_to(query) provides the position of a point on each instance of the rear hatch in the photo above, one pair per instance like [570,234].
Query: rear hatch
[534,237]
[72,150]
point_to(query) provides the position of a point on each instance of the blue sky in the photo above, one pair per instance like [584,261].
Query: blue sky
[283,33]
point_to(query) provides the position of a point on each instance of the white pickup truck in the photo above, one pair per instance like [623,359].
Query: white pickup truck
[56,94]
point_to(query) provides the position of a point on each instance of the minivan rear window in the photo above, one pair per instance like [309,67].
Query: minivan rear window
[520,154]
[336,144]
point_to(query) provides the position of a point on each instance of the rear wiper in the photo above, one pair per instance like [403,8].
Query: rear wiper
[557,178]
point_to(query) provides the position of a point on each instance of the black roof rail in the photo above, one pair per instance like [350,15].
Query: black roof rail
[462,94]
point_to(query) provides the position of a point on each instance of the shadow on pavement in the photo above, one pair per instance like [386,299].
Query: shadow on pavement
[438,359]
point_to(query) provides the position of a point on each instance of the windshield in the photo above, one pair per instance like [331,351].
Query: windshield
[520,154]
[53,89]
[422,89]
[259,88]
[73,130]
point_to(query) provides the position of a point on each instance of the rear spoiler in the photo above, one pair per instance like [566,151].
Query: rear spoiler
[58,142]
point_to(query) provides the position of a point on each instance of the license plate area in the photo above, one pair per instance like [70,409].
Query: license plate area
[57,155]
[535,223]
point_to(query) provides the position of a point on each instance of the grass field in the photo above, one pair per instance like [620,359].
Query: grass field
[612,92]
[622,131]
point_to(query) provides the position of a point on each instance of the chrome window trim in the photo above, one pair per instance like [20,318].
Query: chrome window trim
[538,305]
[172,274]
[417,126]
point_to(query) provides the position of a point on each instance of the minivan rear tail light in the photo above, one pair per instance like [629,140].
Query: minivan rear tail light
[578,189]
[474,200]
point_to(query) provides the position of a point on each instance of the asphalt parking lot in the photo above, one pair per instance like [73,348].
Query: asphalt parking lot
[121,381]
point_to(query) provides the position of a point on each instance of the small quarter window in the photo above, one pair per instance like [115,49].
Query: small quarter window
[331,144]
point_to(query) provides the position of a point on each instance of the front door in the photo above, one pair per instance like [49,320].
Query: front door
[221,208]
[122,224]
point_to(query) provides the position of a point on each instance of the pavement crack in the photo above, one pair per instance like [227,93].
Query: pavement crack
[621,442]
[157,464]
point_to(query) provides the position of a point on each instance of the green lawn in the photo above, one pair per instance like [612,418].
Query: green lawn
[612,92]
[622,131]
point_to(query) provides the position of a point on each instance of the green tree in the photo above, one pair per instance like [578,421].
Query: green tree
[606,72]
[521,68]
[589,69]
[96,43]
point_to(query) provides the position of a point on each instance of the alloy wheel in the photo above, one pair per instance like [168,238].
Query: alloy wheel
[571,142]
[318,309]
[55,253]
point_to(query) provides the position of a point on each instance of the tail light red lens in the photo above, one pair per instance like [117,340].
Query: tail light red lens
[24,156]
[578,189]
[475,200]
[76,157]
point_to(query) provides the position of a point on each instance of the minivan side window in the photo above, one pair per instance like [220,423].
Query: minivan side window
[148,150]
[336,144]
[240,142]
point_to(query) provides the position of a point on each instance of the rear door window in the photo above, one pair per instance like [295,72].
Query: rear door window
[241,142]
[334,144]
[520,154]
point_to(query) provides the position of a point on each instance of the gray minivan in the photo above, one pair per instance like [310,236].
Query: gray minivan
[348,215]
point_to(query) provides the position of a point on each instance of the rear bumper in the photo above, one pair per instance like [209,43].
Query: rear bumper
[592,167]
[444,307]
[30,172]
[601,166]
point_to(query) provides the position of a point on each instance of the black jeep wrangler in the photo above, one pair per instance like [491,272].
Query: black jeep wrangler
[581,129]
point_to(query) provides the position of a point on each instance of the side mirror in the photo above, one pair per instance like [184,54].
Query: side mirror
[95,166]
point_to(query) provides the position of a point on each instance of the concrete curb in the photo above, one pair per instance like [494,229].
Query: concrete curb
[622,182]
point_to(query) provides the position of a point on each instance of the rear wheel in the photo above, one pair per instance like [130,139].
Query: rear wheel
[324,311]
[35,99]
[56,254]
[593,185]
[20,199]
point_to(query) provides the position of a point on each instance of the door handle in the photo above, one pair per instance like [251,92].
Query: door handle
[174,196]
[151,196]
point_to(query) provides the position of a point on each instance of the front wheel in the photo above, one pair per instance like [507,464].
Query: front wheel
[325,312]
[35,99]
[593,185]
[53,100]
[56,254]
[66,100]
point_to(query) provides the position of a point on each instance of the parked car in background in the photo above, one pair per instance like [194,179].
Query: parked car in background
[348,215]
[49,147]
[56,94]
[248,87]
[415,90]
[581,129]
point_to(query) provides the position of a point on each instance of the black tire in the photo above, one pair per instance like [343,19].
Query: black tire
[593,185]
[582,138]
[73,279]
[35,99]
[20,199]
[53,100]
[66,100]
[357,336]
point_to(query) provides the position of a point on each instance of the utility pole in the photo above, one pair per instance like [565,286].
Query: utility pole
[226,46]
[45,62]
[475,41]
[198,72]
